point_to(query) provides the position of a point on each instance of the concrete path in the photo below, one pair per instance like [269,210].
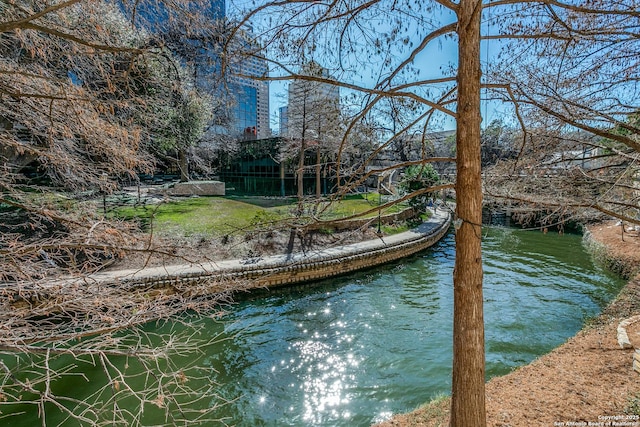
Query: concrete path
[285,269]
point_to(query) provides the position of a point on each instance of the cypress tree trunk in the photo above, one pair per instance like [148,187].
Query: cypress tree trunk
[300,171]
[468,382]
[318,170]
[183,165]
[300,176]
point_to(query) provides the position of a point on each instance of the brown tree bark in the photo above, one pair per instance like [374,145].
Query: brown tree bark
[318,170]
[183,164]
[300,176]
[468,382]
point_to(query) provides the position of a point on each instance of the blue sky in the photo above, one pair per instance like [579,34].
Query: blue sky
[440,54]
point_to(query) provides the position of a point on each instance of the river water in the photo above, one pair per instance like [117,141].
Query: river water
[353,350]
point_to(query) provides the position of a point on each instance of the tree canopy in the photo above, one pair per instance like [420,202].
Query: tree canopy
[88,98]
[571,71]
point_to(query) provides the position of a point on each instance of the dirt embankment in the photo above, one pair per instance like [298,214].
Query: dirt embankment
[586,381]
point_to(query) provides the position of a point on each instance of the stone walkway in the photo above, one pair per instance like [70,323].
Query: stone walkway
[293,268]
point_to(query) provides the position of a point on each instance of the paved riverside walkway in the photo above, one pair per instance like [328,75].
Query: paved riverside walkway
[280,270]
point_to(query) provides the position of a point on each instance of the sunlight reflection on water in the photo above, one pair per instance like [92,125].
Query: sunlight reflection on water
[325,375]
[354,352]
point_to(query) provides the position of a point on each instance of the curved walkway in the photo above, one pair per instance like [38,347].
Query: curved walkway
[280,270]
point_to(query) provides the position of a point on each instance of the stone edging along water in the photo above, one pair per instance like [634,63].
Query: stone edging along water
[289,269]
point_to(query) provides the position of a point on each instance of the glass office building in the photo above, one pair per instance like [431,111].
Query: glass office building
[245,111]
[156,16]
[252,95]
[247,98]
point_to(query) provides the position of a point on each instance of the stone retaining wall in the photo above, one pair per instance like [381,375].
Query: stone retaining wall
[354,224]
[290,269]
[197,188]
[333,267]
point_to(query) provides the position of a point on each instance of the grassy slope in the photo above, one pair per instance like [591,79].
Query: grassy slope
[220,215]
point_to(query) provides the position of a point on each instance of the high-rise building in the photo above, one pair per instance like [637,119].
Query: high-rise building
[156,16]
[248,99]
[314,106]
[284,120]
[251,110]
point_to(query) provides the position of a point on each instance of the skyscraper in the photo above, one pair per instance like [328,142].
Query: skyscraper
[314,106]
[248,99]
[251,112]
[284,120]
[156,17]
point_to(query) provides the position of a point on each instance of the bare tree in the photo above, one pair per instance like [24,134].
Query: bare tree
[378,39]
[300,30]
[86,99]
[467,398]
[313,117]
[84,95]
[571,71]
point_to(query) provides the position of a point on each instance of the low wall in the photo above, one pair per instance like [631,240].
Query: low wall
[354,224]
[197,188]
[326,268]
[282,270]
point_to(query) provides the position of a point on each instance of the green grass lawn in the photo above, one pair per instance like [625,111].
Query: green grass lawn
[193,216]
[219,216]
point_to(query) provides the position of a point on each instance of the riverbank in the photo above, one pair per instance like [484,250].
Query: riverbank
[283,269]
[585,380]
